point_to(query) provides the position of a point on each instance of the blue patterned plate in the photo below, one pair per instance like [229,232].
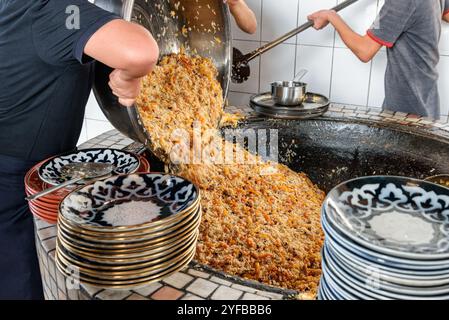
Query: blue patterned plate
[375,287]
[391,282]
[400,217]
[407,266]
[125,162]
[399,270]
[344,291]
[321,295]
[129,202]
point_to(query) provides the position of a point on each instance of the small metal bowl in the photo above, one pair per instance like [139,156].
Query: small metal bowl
[288,93]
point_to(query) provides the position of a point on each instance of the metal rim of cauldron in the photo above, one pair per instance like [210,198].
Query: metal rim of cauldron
[415,130]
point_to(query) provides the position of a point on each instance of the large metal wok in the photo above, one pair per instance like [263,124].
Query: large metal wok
[207,23]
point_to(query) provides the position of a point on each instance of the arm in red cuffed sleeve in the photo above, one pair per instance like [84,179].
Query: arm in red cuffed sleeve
[393,20]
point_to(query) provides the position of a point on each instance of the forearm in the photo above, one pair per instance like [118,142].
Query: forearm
[357,43]
[130,50]
[131,73]
[244,16]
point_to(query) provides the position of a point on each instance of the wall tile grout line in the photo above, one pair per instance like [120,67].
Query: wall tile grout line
[242,92]
[315,45]
[260,44]
[371,71]
[369,83]
[284,43]
[295,66]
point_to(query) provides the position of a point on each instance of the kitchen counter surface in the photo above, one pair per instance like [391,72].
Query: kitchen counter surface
[196,282]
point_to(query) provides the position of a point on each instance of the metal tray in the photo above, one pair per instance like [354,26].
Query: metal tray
[315,105]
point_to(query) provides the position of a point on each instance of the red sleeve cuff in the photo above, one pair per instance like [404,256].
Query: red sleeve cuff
[378,40]
[446,12]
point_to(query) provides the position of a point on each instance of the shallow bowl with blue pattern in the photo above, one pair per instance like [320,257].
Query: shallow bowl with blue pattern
[124,162]
[396,216]
[130,202]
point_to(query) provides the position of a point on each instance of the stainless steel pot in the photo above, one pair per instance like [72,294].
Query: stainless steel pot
[207,32]
[288,93]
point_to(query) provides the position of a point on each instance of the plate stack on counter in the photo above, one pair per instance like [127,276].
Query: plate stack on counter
[48,173]
[386,238]
[128,231]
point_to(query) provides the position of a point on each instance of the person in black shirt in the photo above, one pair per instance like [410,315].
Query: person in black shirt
[47,49]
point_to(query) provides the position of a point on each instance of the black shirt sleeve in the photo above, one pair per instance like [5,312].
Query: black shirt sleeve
[61,29]
[446,7]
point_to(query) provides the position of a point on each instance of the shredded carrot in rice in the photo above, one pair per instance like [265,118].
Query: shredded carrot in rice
[263,227]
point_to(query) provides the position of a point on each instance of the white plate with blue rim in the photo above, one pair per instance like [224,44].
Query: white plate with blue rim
[346,282]
[385,287]
[374,281]
[398,274]
[396,216]
[325,294]
[371,269]
[320,294]
[336,287]
[330,293]
[390,275]
[345,291]
[51,171]
[130,202]
[435,267]
[378,289]
[407,266]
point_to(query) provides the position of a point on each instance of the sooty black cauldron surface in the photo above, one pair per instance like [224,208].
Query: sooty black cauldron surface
[331,151]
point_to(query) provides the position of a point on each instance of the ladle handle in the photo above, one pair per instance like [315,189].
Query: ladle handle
[250,56]
[54,188]
[300,75]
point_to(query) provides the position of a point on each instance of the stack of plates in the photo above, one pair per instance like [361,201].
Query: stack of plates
[45,208]
[47,173]
[314,105]
[144,165]
[386,238]
[130,230]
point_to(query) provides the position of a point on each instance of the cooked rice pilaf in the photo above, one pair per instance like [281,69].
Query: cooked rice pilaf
[264,227]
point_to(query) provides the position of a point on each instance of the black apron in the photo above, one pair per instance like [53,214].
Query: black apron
[19,268]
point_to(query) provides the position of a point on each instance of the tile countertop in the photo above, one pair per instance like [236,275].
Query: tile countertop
[196,282]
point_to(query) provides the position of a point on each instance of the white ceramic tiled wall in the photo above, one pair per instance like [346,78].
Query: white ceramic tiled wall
[333,69]
[95,123]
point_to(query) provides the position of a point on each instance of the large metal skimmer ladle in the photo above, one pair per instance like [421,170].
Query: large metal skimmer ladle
[78,172]
[240,67]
